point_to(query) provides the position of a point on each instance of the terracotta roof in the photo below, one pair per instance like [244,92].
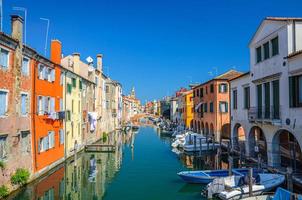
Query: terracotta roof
[294,54]
[242,75]
[284,18]
[229,75]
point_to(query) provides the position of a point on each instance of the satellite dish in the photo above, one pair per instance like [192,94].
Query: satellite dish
[89,60]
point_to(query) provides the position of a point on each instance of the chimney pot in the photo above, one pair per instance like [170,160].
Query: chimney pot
[99,62]
[17,28]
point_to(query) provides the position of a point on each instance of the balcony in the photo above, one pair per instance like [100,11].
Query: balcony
[268,114]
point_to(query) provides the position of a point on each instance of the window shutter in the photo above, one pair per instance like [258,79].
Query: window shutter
[39,145]
[52,104]
[291,92]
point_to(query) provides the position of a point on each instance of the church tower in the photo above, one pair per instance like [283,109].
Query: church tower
[132,93]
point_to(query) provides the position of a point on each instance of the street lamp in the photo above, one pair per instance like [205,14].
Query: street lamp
[25,16]
[47,29]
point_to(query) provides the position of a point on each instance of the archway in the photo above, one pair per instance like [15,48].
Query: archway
[198,127]
[257,143]
[202,128]
[286,150]
[207,130]
[238,138]
[211,130]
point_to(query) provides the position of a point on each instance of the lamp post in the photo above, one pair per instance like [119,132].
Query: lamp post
[47,29]
[25,16]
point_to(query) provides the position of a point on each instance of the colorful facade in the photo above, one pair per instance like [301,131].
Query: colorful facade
[187,106]
[211,106]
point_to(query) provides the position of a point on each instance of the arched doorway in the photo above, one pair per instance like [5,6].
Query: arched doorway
[211,130]
[286,150]
[257,143]
[198,127]
[207,130]
[238,138]
[202,128]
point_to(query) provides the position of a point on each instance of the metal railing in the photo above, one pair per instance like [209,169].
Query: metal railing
[265,113]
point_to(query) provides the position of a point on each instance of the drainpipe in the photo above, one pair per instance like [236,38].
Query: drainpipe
[65,133]
[34,112]
[294,36]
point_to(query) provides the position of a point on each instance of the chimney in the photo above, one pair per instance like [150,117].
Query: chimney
[99,62]
[56,51]
[76,62]
[17,28]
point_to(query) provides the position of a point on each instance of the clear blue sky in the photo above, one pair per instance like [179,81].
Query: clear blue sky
[155,45]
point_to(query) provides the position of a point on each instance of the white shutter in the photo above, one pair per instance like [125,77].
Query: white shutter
[52,104]
[52,75]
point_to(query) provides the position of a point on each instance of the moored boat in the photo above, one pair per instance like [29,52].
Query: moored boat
[237,187]
[207,176]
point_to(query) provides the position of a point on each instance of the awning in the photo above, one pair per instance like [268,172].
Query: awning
[198,106]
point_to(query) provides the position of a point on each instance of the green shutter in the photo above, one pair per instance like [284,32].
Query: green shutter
[80,84]
[74,84]
[259,101]
[276,99]
[267,99]
[291,91]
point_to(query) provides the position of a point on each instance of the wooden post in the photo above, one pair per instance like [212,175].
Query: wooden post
[200,146]
[194,143]
[289,178]
[250,181]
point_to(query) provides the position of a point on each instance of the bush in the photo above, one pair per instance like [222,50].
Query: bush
[104,137]
[20,177]
[2,164]
[4,192]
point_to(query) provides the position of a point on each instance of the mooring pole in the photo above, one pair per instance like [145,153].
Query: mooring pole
[200,146]
[250,181]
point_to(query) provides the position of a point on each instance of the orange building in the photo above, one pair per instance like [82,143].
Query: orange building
[211,106]
[47,121]
[188,106]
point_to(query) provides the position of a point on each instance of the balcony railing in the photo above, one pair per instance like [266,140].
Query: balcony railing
[264,113]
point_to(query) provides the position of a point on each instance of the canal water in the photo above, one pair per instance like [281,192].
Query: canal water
[142,167]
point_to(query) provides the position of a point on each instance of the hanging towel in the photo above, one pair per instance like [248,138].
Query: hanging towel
[92,118]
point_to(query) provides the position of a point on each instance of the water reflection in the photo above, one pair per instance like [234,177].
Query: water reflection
[93,174]
[85,178]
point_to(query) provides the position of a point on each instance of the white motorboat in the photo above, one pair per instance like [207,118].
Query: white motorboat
[236,187]
[201,147]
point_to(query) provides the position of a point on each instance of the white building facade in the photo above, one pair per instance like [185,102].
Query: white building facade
[269,122]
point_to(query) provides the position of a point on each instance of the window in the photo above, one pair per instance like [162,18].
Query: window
[47,142]
[80,84]
[211,107]
[223,88]
[201,92]
[205,107]
[4,58]
[258,54]
[107,89]
[25,66]
[3,147]
[74,82]
[61,132]
[45,73]
[247,97]
[275,46]
[267,100]
[50,75]
[62,76]
[266,50]
[206,90]
[197,93]
[276,99]
[41,71]
[25,142]
[61,104]
[24,104]
[223,107]
[295,91]
[193,93]
[234,99]
[212,88]
[69,88]
[72,106]
[51,138]
[259,101]
[3,102]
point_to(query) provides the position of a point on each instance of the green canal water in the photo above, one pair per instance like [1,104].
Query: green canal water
[143,167]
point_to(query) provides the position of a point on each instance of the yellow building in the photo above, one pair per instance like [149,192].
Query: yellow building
[72,103]
[187,100]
